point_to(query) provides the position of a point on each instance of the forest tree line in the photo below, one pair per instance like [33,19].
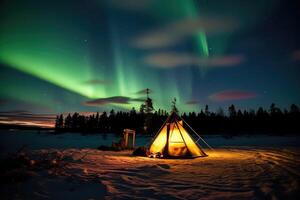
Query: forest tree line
[272,120]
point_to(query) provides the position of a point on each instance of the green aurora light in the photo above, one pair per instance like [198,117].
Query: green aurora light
[69,48]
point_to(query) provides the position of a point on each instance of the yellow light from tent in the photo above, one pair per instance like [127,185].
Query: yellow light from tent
[180,142]
[160,141]
[175,136]
[193,148]
[177,146]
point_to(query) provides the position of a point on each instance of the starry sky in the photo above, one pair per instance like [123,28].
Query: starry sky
[60,56]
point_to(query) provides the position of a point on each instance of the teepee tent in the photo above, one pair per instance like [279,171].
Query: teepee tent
[174,141]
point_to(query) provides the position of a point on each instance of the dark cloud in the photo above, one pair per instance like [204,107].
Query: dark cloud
[97,82]
[111,100]
[173,59]
[26,114]
[177,31]
[232,95]
[25,118]
[15,112]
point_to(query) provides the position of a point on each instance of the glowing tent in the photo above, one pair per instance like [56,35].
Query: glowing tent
[174,141]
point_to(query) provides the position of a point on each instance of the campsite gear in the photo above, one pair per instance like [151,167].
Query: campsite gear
[174,141]
[129,138]
[140,151]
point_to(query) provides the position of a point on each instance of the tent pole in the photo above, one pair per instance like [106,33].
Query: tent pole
[169,134]
[197,134]
[151,141]
[166,148]
[182,137]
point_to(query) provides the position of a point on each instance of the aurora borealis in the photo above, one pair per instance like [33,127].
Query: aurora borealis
[88,56]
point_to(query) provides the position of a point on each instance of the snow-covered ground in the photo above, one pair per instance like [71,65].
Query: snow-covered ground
[228,173]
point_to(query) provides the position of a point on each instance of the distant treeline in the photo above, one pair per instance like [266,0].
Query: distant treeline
[272,120]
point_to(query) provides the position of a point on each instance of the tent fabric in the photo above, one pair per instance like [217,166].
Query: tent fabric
[173,140]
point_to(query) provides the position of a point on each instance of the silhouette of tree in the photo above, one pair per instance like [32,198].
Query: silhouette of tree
[207,113]
[68,122]
[103,121]
[148,103]
[133,112]
[220,112]
[75,124]
[232,111]
[274,111]
[174,108]
[97,125]
[142,108]
[59,122]
[260,120]
[294,109]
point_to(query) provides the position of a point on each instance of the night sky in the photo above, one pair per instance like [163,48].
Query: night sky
[87,56]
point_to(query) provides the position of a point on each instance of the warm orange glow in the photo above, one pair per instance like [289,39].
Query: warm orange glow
[177,145]
[159,142]
[180,142]
[193,148]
